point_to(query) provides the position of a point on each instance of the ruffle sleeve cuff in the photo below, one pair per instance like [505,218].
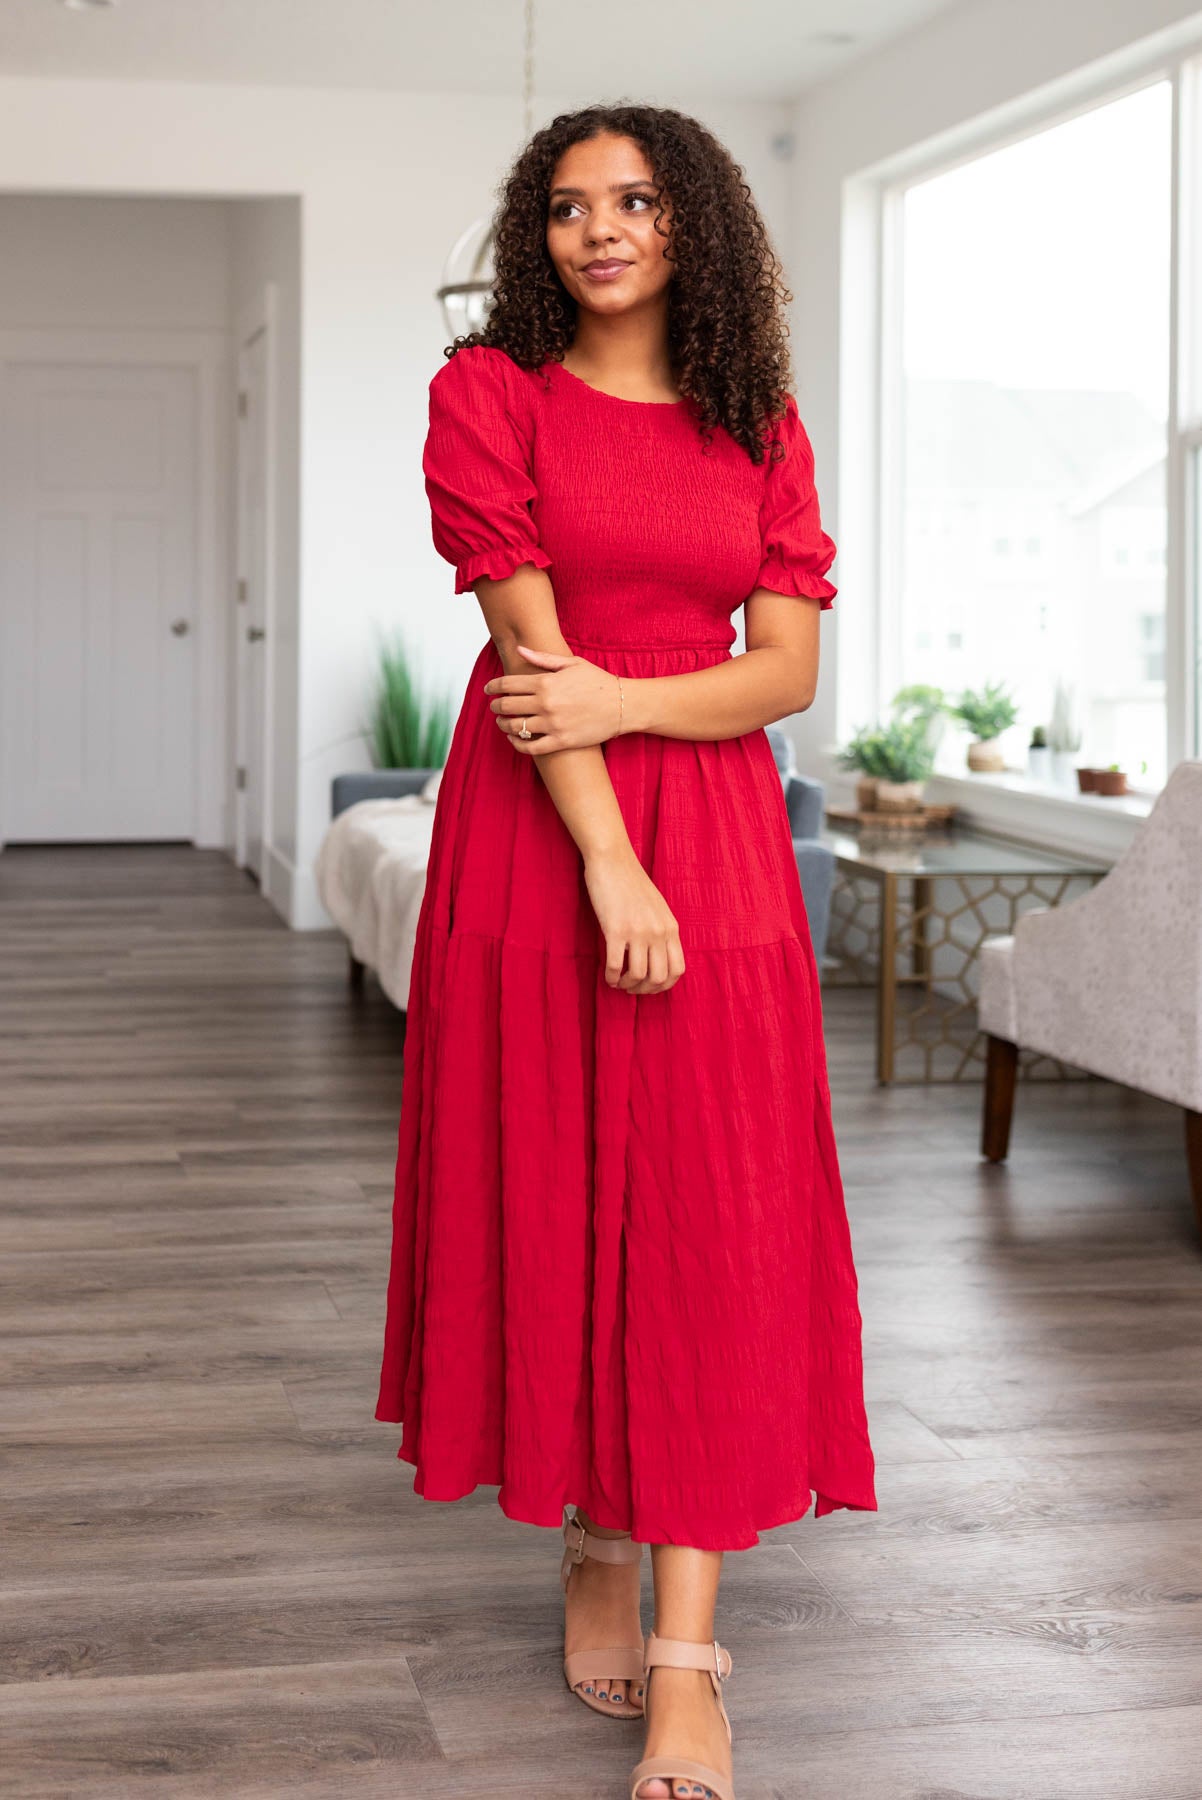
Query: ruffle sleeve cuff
[796,552]
[477,467]
[497,564]
[783,579]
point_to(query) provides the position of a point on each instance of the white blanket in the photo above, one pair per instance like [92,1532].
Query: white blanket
[371,875]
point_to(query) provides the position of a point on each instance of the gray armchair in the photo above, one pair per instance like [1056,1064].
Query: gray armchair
[805,798]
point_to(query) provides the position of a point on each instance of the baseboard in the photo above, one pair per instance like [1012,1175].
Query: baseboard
[278,884]
[308,913]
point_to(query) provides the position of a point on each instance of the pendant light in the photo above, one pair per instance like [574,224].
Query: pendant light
[468,274]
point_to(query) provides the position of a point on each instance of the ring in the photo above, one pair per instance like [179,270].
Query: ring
[523,732]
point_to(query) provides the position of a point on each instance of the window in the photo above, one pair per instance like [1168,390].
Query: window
[1031,428]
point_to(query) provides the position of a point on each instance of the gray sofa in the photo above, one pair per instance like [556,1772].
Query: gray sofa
[804,798]
[375,784]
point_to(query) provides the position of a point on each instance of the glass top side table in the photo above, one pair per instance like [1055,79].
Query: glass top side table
[909,913]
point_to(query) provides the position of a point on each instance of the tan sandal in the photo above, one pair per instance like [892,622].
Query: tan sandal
[621,1662]
[679,1653]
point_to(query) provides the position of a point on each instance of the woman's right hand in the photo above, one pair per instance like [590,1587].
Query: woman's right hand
[642,939]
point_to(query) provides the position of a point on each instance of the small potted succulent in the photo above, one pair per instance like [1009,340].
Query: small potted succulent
[1039,757]
[1110,780]
[987,712]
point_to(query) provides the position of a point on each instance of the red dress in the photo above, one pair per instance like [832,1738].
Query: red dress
[621,1270]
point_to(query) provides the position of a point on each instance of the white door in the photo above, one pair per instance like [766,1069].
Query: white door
[98,597]
[252,622]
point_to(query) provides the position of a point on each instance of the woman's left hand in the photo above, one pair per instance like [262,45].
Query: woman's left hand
[566,700]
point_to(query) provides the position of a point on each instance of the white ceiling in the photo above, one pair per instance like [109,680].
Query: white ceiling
[632,49]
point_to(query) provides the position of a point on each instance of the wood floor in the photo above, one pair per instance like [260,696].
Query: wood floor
[217,1581]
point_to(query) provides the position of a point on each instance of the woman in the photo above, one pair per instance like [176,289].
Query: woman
[621,1273]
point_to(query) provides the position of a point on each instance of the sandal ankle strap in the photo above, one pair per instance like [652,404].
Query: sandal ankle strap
[683,1653]
[581,1543]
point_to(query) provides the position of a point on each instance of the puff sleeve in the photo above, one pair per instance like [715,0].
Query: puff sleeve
[795,551]
[476,464]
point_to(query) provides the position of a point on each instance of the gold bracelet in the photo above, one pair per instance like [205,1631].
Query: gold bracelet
[621,705]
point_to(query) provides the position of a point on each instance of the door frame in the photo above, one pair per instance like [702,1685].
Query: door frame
[206,355]
[260,314]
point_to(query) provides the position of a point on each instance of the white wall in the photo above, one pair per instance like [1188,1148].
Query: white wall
[385,182]
[113,263]
[982,56]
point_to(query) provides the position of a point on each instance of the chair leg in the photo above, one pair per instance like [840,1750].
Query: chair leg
[1001,1065]
[1193,1159]
[355,973]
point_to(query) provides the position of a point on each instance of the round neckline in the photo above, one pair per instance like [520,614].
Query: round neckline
[621,399]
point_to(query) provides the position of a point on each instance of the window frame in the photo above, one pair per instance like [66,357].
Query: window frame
[871,423]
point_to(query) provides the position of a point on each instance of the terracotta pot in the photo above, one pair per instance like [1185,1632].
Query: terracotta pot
[899,796]
[1087,781]
[985,756]
[1110,781]
[866,788]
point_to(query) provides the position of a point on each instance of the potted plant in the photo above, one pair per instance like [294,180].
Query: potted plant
[1111,780]
[1039,757]
[987,712]
[406,730]
[873,750]
[1064,735]
[905,758]
[861,753]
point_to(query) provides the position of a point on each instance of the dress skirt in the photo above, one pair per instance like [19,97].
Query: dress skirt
[621,1271]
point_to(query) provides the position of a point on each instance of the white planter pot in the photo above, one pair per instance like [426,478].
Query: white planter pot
[985,755]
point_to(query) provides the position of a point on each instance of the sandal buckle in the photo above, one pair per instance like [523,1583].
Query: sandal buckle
[576,1551]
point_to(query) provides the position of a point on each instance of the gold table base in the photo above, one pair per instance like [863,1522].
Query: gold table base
[887,932]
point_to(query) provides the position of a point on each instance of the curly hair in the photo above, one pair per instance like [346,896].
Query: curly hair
[727,326]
